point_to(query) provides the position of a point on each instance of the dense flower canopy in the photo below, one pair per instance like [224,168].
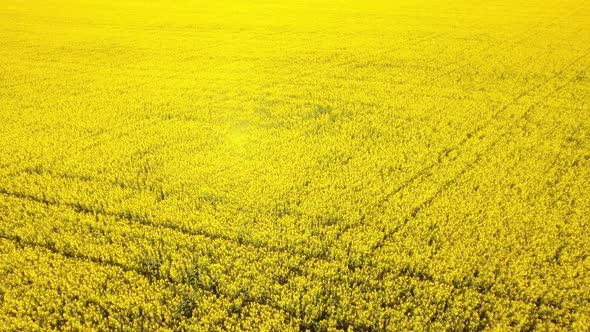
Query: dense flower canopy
[294,165]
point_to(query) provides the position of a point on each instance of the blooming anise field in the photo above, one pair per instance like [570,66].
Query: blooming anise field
[326,165]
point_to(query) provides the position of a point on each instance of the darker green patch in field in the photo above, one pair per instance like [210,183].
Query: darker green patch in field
[265,114]
[36,169]
[330,220]
[267,120]
[288,272]
[282,209]
[187,305]
[416,272]
[152,260]
[581,76]
[211,199]
[319,111]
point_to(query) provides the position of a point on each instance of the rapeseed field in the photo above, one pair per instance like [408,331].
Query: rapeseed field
[322,165]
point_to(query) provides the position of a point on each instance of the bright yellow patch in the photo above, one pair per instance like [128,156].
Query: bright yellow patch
[294,165]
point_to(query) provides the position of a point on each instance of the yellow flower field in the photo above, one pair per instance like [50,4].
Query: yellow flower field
[322,165]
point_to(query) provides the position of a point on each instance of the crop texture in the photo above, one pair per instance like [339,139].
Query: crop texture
[272,165]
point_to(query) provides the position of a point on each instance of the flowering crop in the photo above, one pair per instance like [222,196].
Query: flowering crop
[292,165]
